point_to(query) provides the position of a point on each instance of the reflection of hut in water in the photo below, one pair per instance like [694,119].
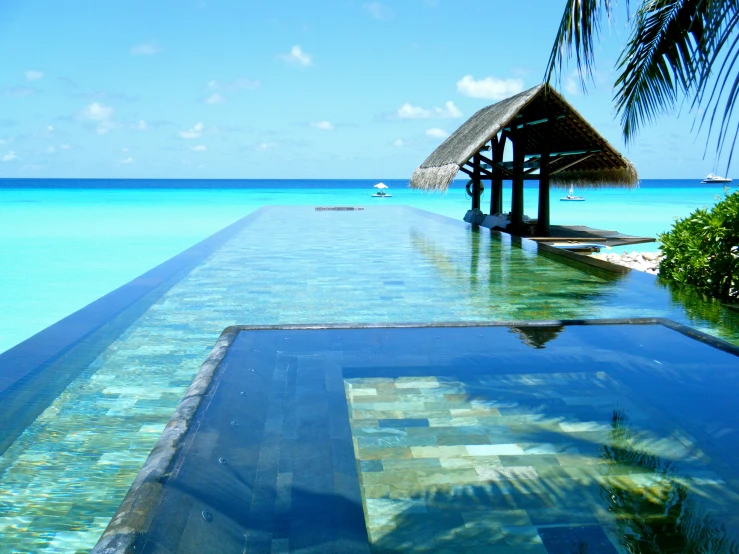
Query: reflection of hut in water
[552,144]
[537,336]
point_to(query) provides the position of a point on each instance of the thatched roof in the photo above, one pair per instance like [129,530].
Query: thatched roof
[571,133]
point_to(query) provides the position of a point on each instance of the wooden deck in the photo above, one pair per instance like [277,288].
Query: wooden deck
[574,234]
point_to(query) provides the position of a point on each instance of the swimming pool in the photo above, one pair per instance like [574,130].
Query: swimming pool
[599,436]
[128,360]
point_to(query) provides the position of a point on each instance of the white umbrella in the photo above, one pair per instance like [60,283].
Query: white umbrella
[380,186]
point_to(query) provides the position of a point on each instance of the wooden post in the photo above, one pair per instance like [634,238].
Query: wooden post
[476,182]
[542,225]
[497,146]
[519,154]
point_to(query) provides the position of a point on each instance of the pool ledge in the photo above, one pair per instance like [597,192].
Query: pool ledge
[134,515]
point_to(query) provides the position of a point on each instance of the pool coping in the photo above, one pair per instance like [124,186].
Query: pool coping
[135,514]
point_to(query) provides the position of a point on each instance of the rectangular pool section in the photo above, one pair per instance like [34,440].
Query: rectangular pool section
[582,437]
[83,402]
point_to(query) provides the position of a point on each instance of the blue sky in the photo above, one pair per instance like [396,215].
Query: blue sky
[291,89]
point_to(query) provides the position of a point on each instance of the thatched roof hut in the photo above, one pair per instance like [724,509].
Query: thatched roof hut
[572,134]
[552,143]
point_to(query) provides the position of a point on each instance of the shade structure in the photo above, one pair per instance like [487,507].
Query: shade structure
[552,144]
[380,186]
[571,135]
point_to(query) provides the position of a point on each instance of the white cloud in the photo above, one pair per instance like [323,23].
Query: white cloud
[65,146]
[142,125]
[146,49]
[9,157]
[215,98]
[435,132]
[100,114]
[266,145]
[408,111]
[377,10]
[124,149]
[199,148]
[97,112]
[128,160]
[323,125]
[51,149]
[33,75]
[193,133]
[489,87]
[49,128]
[398,142]
[297,57]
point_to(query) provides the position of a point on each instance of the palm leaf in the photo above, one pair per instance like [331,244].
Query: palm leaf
[578,30]
[660,60]
[721,49]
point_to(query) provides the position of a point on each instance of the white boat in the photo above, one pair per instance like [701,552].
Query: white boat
[381,191]
[572,198]
[711,178]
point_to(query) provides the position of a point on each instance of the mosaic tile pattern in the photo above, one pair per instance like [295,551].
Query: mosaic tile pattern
[506,463]
[64,477]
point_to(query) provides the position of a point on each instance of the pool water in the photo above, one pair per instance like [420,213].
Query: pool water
[64,475]
[608,437]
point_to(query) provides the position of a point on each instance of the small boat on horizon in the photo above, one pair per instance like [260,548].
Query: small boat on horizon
[571,197]
[711,178]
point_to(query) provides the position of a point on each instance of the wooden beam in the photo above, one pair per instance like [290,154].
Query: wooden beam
[572,153]
[542,220]
[483,171]
[476,182]
[496,183]
[520,124]
[573,162]
[519,153]
[495,164]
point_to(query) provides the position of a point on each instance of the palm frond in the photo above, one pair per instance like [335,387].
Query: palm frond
[578,31]
[659,61]
[721,49]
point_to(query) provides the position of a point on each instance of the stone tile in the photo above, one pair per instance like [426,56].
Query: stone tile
[438,451]
[461,440]
[402,423]
[534,460]
[370,465]
[494,450]
[378,453]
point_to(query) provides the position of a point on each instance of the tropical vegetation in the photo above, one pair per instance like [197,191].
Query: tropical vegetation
[702,250]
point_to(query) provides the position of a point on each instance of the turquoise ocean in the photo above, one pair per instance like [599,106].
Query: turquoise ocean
[65,243]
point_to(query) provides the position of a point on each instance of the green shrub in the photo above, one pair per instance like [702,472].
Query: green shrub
[702,250]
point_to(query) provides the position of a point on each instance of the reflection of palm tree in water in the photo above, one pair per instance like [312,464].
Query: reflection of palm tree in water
[659,517]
